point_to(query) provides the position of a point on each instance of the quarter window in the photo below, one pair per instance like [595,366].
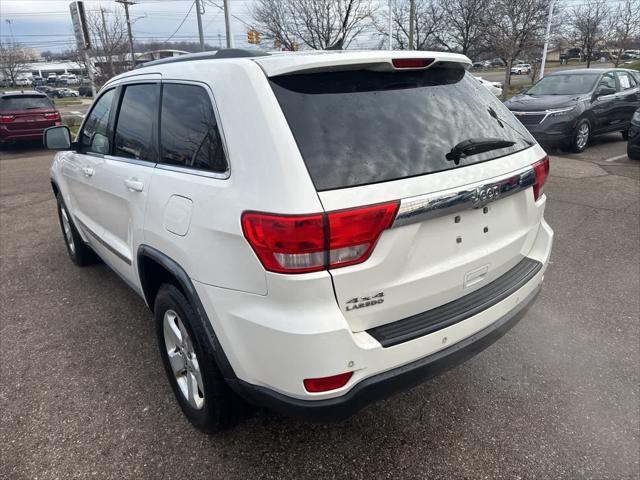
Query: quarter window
[135,137]
[95,136]
[189,134]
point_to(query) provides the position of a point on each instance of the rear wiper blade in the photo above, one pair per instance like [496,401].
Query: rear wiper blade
[473,146]
[502,123]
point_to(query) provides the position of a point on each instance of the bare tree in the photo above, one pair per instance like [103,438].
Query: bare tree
[624,25]
[427,25]
[13,60]
[588,21]
[465,25]
[272,17]
[319,24]
[108,31]
[517,25]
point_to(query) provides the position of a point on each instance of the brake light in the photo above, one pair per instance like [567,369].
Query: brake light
[52,116]
[541,170]
[310,243]
[325,384]
[7,118]
[412,62]
[353,233]
[287,244]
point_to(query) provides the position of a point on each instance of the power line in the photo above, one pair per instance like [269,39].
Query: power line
[182,22]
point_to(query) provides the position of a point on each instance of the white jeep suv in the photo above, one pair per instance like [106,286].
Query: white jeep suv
[312,231]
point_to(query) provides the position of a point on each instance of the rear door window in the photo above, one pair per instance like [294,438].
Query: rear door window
[189,133]
[361,127]
[25,102]
[137,120]
[627,82]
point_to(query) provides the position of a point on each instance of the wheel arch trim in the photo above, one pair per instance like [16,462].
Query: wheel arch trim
[184,282]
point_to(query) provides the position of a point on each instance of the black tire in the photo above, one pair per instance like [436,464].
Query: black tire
[79,252]
[625,134]
[221,408]
[577,143]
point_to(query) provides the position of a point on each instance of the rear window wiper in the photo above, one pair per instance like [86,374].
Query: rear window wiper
[473,146]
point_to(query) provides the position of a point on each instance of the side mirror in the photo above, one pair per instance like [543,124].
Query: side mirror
[603,90]
[57,138]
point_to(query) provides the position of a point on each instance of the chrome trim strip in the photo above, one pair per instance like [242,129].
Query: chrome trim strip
[424,207]
[133,161]
[102,242]
[195,171]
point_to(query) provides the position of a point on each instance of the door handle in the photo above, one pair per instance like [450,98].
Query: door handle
[134,184]
[88,171]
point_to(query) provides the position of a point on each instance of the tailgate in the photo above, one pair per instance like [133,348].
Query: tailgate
[442,245]
[32,120]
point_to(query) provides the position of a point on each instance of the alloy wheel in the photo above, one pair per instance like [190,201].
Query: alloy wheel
[183,359]
[68,233]
[583,136]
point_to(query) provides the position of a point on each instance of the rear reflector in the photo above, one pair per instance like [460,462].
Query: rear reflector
[7,118]
[412,62]
[541,170]
[310,243]
[325,384]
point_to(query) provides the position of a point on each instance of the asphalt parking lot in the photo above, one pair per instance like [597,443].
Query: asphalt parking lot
[83,393]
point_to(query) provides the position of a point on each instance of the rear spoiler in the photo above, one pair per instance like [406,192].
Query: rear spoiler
[307,62]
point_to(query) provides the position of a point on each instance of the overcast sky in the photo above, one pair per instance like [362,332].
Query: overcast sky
[46,24]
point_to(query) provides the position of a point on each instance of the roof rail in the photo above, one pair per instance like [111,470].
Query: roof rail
[213,55]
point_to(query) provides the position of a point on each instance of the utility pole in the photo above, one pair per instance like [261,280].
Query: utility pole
[227,23]
[546,42]
[199,13]
[412,21]
[107,42]
[126,4]
[390,23]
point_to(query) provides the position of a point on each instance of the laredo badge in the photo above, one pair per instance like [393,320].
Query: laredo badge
[362,302]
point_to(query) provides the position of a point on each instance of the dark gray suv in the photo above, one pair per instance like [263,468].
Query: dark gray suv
[568,108]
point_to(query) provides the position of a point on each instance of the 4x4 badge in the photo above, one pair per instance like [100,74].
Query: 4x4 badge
[362,302]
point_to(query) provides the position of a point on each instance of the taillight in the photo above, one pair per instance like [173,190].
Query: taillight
[541,170]
[310,243]
[7,118]
[412,62]
[325,384]
[353,233]
[52,116]
[286,244]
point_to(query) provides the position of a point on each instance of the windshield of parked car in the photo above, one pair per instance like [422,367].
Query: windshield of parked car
[24,102]
[360,127]
[570,84]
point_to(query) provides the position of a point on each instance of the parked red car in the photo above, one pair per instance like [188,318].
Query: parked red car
[25,115]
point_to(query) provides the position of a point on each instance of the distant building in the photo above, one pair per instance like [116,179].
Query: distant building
[121,62]
[43,69]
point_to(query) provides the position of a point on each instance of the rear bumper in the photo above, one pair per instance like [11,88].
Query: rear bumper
[26,134]
[387,383]
[275,341]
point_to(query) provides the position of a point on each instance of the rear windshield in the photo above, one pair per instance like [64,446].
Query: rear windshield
[361,127]
[24,102]
[574,84]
